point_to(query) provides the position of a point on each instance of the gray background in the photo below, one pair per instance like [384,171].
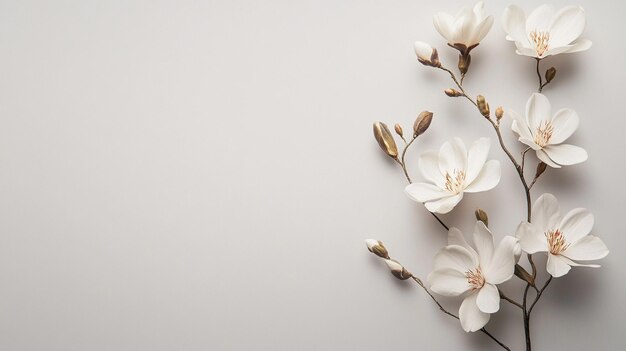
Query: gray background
[193,175]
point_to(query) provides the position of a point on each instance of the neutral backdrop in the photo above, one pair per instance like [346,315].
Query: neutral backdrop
[201,175]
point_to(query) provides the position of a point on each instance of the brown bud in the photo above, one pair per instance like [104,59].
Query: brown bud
[422,122]
[499,113]
[385,139]
[398,129]
[483,106]
[550,73]
[521,273]
[482,216]
[453,92]
[464,63]
[541,167]
[377,248]
[398,270]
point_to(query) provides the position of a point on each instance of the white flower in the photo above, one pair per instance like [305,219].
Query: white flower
[453,171]
[546,133]
[565,239]
[546,32]
[426,54]
[461,269]
[465,30]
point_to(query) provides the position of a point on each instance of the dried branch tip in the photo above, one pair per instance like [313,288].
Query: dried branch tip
[453,92]
[550,74]
[482,216]
[377,248]
[385,139]
[541,167]
[483,106]
[398,129]
[397,270]
[422,122]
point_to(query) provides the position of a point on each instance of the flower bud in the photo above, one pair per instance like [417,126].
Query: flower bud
[550,73]
[397,270]
[464,63]
[385,139]
[483,106]
[422,122]
[541,167]
[398,129]
[521,273]
[452,92]
[499,113]
[377,248]
[482,216]
[426,54]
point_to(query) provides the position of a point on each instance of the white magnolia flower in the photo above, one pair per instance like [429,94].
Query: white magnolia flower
[462,270]
[546,32]
[565,239]
[452,172]
[545,133]
[465,30]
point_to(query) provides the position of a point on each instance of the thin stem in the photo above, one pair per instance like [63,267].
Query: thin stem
[442,309]
[539,295]
[541,85]
[526,319]
[402,164]
[524,157]
[513,302]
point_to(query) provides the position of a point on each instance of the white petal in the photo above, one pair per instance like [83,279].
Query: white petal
[483,240]
[487,179]
[514,21]
[557,266]
[565,154]
[586,249]
[555,50]
[546,213]
[525,50]
[476,158]
[443,24]
[546,159]
[463,27]
[428,164]
[531,239]
[576,224]
[456,258]
[423,192]
[455,237]
[448,282]
[565,122]
[445,204]
[479,10]
[567,25]
[540,19]
[520,126]
[423,50]
[481,30]
[576,264]
[580,45]
[452,156]
[538,110]
[502,264]
[488,299]
[472,318]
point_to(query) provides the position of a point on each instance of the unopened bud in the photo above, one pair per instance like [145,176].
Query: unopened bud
[397,270]
[521,273]
[426,54]
[499,113]
[453,92]
[377,248]
[464,63]
[541,167]
[422,122]
[550,73]
[483,106]
[482,216]
[385,139]
[398,129]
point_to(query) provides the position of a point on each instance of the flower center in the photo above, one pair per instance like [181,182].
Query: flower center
[454,183]
[556,242]
[475,278]
[543,134]
[541,40]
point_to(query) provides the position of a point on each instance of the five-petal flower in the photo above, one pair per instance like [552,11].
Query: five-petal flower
[459,269]
[546,32]
[452,172]
[545,133]
[566,238]
[465,30]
